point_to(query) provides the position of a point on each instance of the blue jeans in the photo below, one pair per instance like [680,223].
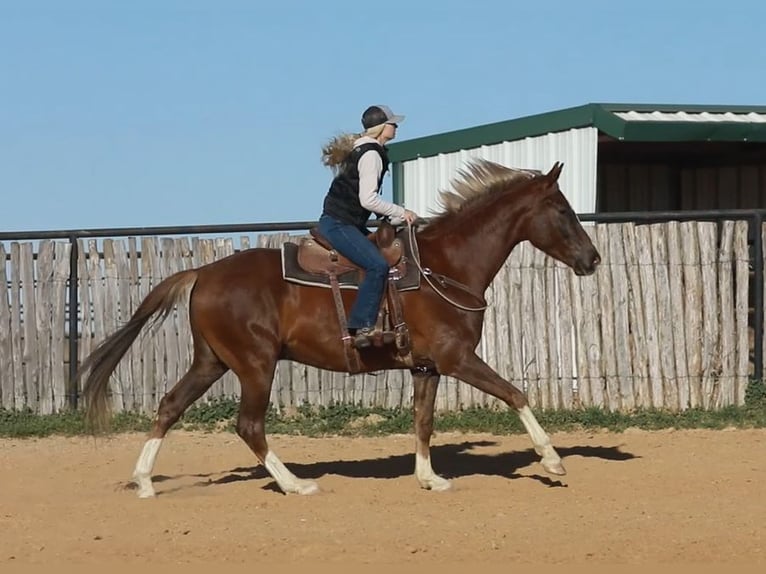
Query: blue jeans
[350,242]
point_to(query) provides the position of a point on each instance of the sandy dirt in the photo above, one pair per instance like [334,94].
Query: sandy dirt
[635,497]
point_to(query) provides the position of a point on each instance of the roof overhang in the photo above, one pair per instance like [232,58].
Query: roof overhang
[624,122]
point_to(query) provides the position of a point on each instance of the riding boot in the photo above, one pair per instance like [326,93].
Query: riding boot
[364,337]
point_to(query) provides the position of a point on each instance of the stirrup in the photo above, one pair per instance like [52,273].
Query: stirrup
[365,338]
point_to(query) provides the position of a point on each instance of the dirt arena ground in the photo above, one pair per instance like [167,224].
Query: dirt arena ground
[635,497]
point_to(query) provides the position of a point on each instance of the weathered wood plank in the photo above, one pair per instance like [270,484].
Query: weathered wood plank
[17,341]
[338,386]
[678,303]
[581,394]
[664,310]
[298,375]
[639,353]
[366,385]
[690,257]
[566,366]
[29,326]
[551,348]
[531,368]
[395,385]
[7,376]
[606,301]
[512,278]
[85,310]
[59,341]
[725,385]
[591,389]
[43,298]
[620,291]
[540,326]
[742,279]
[651,314]
[381,394]
[711,353]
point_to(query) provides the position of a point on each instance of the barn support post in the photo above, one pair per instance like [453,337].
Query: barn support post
[758,317]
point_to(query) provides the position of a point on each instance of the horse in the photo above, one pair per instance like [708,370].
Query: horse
[245,316]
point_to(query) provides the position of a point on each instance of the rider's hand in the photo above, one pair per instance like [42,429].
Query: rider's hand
[410,216]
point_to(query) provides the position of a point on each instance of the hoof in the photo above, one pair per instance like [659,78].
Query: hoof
[441,485]
[307,487]
[146,493]
[554,467]
[436,484]
[145,488]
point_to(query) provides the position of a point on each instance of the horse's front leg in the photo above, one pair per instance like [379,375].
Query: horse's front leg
[425,385]
[468,367]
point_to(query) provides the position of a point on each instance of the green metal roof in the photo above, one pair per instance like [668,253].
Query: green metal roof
[627,122]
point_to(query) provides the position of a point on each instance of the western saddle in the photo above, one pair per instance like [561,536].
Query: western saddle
[316,255]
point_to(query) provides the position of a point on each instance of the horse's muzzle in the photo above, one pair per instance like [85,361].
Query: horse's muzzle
[588,264]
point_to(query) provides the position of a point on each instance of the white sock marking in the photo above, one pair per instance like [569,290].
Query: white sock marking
[143,471]
[551,460]
[286,480]
[426,476]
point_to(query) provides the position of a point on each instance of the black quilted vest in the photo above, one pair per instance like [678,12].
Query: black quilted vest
[342,200]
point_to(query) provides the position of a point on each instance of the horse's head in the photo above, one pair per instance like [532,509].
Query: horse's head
[555,229]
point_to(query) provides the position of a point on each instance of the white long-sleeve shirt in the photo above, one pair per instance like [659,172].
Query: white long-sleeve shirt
[370,165]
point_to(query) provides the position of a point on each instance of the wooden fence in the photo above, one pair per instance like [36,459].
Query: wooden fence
[663,323]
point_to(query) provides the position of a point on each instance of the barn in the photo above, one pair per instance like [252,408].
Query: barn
[618,157]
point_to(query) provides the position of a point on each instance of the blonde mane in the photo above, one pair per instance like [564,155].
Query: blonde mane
[480,178]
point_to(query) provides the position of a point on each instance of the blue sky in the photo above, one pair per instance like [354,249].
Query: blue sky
[170,112]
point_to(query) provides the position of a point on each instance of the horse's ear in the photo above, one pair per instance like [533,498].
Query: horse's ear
[555,172]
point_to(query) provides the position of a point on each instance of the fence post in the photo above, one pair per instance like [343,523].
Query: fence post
[74,305]
[758,317]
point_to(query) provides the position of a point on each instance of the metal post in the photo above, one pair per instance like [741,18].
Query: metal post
[73,329]
[758,295]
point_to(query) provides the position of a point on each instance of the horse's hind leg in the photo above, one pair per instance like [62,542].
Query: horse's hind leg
[205,370]
[256,371]
[425,385]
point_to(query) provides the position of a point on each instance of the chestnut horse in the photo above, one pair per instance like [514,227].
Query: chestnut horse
[245,317]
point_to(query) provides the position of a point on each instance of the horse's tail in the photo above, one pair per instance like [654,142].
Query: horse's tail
[104,359]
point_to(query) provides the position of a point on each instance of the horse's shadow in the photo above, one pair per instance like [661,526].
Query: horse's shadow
[450,460]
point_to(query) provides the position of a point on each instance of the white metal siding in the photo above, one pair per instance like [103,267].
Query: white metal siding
[423,178]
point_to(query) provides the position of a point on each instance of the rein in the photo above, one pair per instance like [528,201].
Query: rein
[443,280]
